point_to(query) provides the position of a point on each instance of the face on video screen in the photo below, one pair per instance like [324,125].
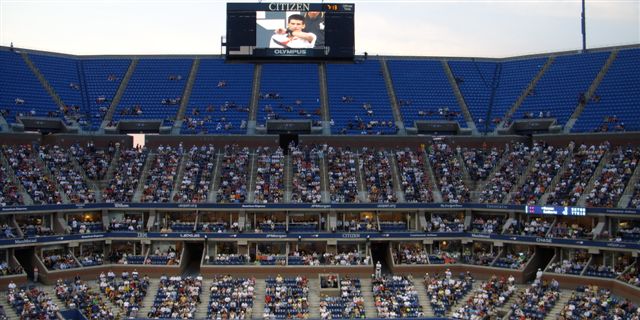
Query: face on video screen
[290,29]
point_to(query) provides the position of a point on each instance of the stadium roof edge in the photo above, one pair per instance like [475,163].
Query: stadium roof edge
[375,57]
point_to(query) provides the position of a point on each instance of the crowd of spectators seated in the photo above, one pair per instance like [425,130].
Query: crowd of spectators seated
[487,224]
[95,162]
[513,260]
[377,177]
[302,257]
[536,301]
[513,167]
[448,172]
[571,266]
[163,257]
[480,162]
[34,227]
[592,302]
[341,167]
[125,256]
[197,176]
[231,298]
[218,226]
[396,297]
[271,224]
[269,186]
[128,223]
[306,186]
[479,256]
[286,298]
[9,193]
[443,257]
[32,303]
[632,277]
[126,292]
[91,258]
[162,173]
[603,271]
[608,188]
[126,176]
[227,259]
[535,227]
[86,226]
[582,165]
[411,254]
[348,305]
[444,291]
[484,301]
[350,258]
[355,225]
[78,295]
[570,230]
[6,270]
[444,223]
[539,178]
[271,259]
[414,182]
[32,175]
[57,260]
[66,176]
[233,177]
[177,297]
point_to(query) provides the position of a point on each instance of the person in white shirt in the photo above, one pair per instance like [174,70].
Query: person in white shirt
[293,36]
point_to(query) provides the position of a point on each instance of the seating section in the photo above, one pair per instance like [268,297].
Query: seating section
[504,181]
[491,295]
[424,92]
[9,193]
[176,298]
[22,94]
[231,298]
[220,97]
[414,182]
[479,162]
[102,78]
[154,90]
[444,291]
[32,174]
[32,303]
[269,186]
[376,170]
[63,76]
[197,176]
[287,97]
[348,305]
[162,174]
[558,91]
[306,174]
[396,297]
[94,162]
[286,298]
[67,177]
[477,81]
[341,167]
[79,295]
[582,165]
[545,168]
[126,292]
[613,107]
[448,173]
[598,303]
[536,301]
[232,185]
[611,184]
[126,177]
[358,99]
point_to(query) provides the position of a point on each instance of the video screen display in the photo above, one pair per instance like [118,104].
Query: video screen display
[304,30]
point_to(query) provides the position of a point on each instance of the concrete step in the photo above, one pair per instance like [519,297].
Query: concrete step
[147,302]
[258,299]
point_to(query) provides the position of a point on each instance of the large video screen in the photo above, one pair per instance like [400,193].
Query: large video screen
[301,30]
